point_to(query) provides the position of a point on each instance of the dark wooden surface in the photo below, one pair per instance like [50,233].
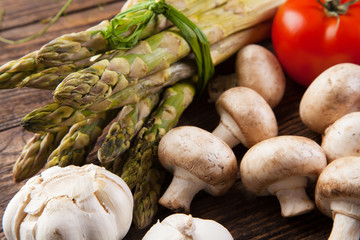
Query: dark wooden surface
[243,214]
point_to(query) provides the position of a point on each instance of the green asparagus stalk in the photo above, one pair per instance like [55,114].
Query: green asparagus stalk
[52,117]
[176,99]
[159,51]
[81,138]
[146,196]
[49,117]
[124,129]
[76,50]
[35,153]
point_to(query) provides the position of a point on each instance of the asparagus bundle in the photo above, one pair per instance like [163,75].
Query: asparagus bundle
[54,115]
[35,153]
[159,52]
[74,51]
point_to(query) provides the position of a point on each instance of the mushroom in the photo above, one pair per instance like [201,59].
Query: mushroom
[334,93]
[86,202]
[337,195]
[282,166]
[199,161]
[256,68]
[245,117]
[180,226]
[342,138]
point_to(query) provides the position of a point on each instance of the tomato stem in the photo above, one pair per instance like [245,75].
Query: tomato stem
[334,8]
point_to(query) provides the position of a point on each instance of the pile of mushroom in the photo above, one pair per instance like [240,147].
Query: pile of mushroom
[182,227]
[333,94]
[86,202]
[256,68]
[337,195]
[282,166]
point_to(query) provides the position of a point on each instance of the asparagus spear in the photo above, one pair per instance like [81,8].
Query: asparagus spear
[176,99]
[50,117]
[159,51]
[76,144]
[35,153]
[146,196]
[124,129]
[76,50]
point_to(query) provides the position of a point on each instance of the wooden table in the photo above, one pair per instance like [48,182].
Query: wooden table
[243,214]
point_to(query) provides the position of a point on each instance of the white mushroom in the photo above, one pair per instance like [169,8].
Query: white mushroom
[180,226]
[334,93]
[245,117]
[256,68]
[199,161]
[86,202]
[282,166]
[337,195]
[342,138]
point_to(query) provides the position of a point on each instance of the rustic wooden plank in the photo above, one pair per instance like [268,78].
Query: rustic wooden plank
[22,12]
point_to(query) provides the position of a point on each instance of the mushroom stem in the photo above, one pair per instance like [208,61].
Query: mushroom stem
[292,196]
[345,227]
[181,191]
[223,132]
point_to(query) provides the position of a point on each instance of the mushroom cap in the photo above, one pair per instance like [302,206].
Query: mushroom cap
[202,154]
[342,138]
[339,182]
[334,93]
[254,118]
[258,68]
[279,158]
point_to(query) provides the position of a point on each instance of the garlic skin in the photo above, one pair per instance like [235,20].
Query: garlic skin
[180,226]
[85,202]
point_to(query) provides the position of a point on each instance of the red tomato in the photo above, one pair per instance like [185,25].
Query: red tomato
[307,40]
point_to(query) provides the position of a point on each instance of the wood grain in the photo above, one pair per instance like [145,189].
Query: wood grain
[245,215]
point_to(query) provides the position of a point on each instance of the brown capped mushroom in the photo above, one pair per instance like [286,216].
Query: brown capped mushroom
[334,93]
[199,161]
[245,117]
[342,138]
[256,68]
[282,166]
[337,195]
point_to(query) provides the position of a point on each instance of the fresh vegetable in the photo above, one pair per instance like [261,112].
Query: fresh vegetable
[256,68]
[282,166]
[68,203]
[53,115]
[245,117]
[310,36]
[141,167]
[334,93]
[35,153]
[78,142]
[199,161]
[337,196]
[123,131]
[342,138]
[74,51]
[158,52]
[181,226]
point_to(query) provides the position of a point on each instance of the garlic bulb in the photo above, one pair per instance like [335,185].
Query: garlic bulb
[180,226]
[86,202]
